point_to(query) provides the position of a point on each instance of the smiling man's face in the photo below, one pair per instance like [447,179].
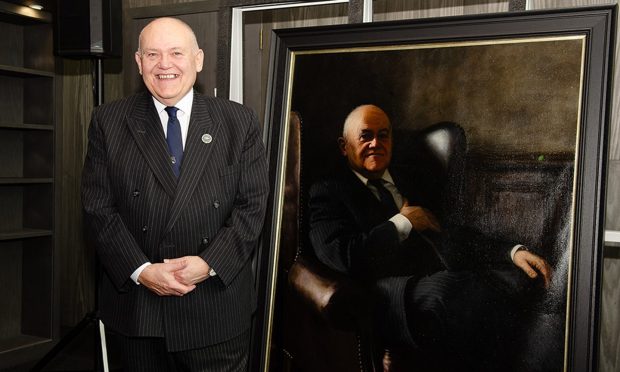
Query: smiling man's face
[168,59]
[367,141]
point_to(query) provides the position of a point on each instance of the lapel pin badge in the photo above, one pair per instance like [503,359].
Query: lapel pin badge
[206,138]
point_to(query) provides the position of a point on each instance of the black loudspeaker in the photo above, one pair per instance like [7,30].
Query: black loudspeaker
[88,28]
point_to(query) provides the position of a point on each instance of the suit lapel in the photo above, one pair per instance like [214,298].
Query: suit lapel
[145,126]
[196,155]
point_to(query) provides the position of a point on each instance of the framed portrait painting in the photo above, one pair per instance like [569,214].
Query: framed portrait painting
[499,123]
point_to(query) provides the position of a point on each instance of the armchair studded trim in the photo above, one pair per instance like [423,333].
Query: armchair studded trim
[338,301]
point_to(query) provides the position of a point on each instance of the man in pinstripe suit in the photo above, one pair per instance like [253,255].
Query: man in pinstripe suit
[174,190]
[363,224]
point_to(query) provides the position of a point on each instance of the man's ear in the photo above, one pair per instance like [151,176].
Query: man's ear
[342,145]
[200,56]
[139,62]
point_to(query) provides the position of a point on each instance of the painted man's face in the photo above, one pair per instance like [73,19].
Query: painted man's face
[367,143]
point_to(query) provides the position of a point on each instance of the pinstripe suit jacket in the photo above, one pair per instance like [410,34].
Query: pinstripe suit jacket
[137,211]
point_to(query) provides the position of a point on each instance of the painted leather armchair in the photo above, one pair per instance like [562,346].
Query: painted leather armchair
[327,316]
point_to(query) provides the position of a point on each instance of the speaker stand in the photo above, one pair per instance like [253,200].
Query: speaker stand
[101,354]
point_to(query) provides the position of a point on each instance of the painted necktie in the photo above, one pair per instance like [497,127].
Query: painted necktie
[385,196]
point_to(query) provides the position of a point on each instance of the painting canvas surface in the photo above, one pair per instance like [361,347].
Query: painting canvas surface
[518,101]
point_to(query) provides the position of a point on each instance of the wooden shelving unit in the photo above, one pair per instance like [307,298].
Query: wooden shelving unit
[27,207]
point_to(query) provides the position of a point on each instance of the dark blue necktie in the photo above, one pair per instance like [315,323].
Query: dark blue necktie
[174,140]
[385,196]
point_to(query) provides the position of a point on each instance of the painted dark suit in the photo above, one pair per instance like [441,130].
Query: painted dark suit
[350,232]
[138,211]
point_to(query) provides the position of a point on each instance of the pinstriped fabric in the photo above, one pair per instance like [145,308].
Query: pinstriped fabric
[229,356]
[150,355]
[145,354]
[137,211]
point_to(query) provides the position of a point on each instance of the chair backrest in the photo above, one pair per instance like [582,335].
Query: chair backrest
[433,160]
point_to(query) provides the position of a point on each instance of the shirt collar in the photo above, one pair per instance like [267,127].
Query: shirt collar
[387,177]
[184,105]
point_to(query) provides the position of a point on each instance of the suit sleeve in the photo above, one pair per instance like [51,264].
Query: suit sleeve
[464,248]
[117,250]
[235,241]
[339,242]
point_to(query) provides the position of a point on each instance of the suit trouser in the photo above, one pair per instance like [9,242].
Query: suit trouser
[452,318]
[149,354]
[460,318]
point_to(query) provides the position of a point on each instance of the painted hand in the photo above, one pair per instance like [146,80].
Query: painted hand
[533,265]
[421,219]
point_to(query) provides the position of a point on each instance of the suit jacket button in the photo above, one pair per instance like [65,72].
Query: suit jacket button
[205,240]
[135,193]
[145,228]
[216,204]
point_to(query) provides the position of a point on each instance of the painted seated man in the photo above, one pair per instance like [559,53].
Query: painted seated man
[363,224]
